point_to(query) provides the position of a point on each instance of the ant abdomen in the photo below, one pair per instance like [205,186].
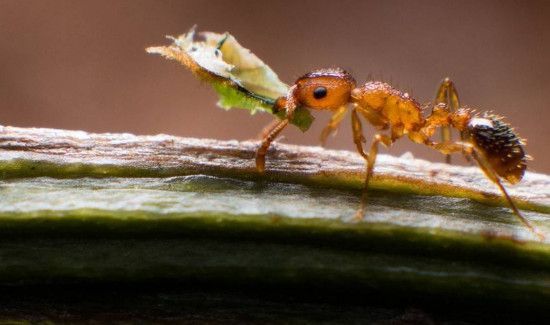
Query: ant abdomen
[502,147]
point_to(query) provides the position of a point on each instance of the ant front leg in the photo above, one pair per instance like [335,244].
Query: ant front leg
[333,124]
[266,142]
[448,96]
[272,130]
[267,129]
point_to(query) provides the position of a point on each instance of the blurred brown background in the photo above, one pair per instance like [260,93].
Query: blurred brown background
[82,65]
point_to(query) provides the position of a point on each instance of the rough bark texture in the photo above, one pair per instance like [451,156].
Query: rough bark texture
[26,152]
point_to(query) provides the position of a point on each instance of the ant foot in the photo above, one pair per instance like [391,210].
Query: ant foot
[359,215]
[539,234]
[260,164]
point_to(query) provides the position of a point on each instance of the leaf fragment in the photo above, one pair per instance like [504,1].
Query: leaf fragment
[239,77]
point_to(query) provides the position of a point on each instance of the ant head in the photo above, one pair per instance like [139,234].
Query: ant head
[324,89]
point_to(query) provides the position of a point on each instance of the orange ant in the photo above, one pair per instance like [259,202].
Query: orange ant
[492,143]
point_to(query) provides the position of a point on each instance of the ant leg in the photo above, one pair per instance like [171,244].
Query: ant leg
[488,170]
[271,131]
[358,137]
[371,160]
[450,148]
[266,142]
[333,124]
[268,128]
[447,95]
[373,153]
[492,175]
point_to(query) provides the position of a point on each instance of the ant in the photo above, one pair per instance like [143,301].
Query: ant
[492,143]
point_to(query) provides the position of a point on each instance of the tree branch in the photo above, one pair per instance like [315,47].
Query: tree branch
[108,224]
[26,152]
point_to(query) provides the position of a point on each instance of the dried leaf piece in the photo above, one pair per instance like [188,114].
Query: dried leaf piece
[239,77]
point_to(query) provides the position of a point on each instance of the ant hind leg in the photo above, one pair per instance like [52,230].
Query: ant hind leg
[447,95]
[485,165]
[492,175]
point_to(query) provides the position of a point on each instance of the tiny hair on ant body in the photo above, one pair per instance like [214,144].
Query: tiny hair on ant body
[484,138]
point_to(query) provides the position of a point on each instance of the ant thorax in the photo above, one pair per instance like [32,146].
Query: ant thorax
[381,103]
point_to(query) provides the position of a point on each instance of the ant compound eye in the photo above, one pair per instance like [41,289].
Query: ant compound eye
[324,89]
[319,92]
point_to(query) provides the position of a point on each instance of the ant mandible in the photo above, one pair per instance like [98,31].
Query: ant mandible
[492,143]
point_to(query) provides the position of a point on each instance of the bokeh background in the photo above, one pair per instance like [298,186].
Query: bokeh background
[81,64]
